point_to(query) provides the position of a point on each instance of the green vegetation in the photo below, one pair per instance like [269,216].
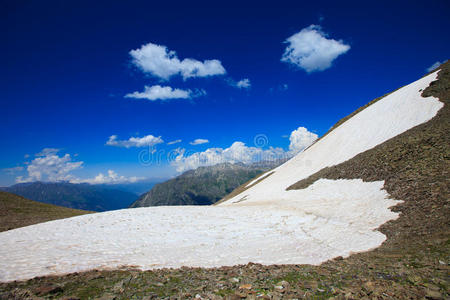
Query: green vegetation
[202,186]
[16,211]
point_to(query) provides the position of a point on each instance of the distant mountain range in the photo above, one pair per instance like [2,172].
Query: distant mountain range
[79,196]
[204,185]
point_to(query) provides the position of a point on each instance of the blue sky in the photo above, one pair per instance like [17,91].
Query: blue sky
[67,66]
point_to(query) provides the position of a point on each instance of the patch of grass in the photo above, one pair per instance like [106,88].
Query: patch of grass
[16,211]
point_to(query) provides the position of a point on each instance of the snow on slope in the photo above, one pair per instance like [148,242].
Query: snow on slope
[381,121]
[265,224]
[156,237]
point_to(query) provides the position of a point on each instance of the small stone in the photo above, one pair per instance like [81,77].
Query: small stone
[283,283]
[431,294]
[369,285]
[107,296]
[246,286]
[432,287]
[47,289]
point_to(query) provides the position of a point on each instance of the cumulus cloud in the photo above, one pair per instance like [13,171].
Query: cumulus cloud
[300,139]
[435,65]
[199,141]
[311,50]
[241,84]
[148,140]
[110,178]
[49,166]
[174,142]
[238,152]
[160,62]
[158,92]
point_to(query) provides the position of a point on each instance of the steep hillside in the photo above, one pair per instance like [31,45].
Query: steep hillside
[16,211]
[202,186]
[415,166]
[77,196]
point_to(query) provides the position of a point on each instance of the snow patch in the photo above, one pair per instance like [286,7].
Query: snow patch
[260,177]
[329,219]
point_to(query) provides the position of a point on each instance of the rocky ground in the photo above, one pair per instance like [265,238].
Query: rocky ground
[417,271]
[412,264]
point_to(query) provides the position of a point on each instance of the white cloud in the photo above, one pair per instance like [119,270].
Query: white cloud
[311,50]
[163,63]
[148,140]
[49,166]
[158,92]
[435,65]
[238,152]
[300,139]
[199,141]
[243,83]
[110,178]
[174,142]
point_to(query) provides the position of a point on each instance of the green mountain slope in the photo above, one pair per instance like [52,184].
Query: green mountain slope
[202,186]
[16,211]
[78,196]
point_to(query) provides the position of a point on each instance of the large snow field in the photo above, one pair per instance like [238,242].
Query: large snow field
[264,224]
[381,121]
[331,218]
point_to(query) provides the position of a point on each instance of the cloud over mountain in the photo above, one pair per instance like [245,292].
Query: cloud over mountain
[300,139]
[110,178]
[49,166]
[238,152]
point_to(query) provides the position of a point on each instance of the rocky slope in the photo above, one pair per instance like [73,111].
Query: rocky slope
[77,196]
[202,186]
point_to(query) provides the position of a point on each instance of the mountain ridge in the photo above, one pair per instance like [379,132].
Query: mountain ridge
[78,196]
[202,186]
